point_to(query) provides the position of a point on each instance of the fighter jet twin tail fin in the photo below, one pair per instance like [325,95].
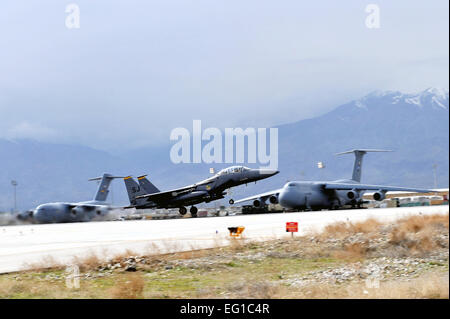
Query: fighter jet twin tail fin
[143,188]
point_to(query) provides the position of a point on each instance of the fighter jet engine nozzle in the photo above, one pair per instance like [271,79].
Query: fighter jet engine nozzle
[379,195]
[352,194]
[273,199]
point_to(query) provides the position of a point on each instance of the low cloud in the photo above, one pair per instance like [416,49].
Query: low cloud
[29,130]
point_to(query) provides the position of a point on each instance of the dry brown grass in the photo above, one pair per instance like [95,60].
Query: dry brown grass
[431,286]
[417,223]
[91,261]
[428,286]
[343,229]
[255,290]
[37,287]
[130,287]
[412,224]
[354,251]
[416,233]
[193,254]
[47,262]
[237,245]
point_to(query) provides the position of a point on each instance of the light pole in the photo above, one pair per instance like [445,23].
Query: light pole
[14,184]
[112,193]
[435,175]
[321,166]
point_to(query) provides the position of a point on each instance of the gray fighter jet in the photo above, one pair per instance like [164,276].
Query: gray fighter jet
[77,212]
[316,195]
[146,195]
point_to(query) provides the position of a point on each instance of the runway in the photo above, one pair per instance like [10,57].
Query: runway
[24,246]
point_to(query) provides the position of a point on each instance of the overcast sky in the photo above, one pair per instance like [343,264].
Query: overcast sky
[136,69]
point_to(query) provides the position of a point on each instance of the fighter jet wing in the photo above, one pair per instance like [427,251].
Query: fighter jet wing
[264,196]
[161,196]
[167,195]
[349,186]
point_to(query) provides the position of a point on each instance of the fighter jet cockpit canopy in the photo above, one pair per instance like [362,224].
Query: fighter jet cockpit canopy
[233,169]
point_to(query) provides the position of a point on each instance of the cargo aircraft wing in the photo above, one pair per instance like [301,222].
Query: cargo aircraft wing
[350,186]
[262,196]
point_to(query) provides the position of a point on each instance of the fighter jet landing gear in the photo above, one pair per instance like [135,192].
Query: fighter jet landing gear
[182,210]
[231,201]
[193,211]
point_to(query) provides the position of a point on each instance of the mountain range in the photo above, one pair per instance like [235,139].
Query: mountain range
[415,126]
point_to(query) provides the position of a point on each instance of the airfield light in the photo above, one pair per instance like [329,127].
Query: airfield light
[435,175]
[14,184]
[321,166]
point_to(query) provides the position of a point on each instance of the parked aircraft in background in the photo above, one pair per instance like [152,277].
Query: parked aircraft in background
[146,195]
[77,212]
[316,195]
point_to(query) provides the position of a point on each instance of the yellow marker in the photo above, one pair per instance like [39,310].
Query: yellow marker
[236,231]
[128,177]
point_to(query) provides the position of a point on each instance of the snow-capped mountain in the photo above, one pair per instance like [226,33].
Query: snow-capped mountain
[431,97]
[414,125]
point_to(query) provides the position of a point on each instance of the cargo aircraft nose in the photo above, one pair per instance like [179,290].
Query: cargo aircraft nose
[288,199]
[291,197]
[40,214]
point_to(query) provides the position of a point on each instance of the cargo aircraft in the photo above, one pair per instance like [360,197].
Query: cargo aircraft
[64,212]
[316,195]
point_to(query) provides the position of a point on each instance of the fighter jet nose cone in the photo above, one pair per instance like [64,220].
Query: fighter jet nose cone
[268,172]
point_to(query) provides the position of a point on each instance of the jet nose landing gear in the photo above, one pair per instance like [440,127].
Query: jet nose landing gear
[231,201]
[193,211]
